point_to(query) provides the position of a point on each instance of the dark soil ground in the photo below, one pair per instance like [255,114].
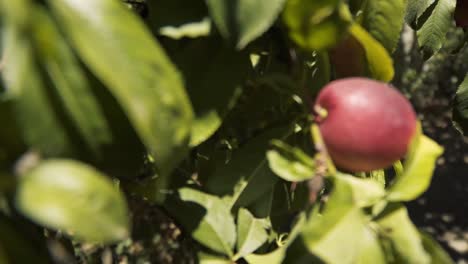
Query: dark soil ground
[443,209]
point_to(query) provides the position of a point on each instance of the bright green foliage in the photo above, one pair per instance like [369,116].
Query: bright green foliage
[195,117]
[74,198]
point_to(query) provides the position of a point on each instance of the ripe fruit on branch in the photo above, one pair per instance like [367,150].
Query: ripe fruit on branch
[461,13]
[365,124]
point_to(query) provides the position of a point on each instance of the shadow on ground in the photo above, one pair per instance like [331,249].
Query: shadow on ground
[443,209]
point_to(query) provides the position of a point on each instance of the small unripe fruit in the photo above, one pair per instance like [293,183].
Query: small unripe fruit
[365,124]
[461,13]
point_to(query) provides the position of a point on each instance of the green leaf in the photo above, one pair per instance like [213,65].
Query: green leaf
[214,227]
[204,258]
[210,68]
[190,30]
[415,9]
[460,108]
[247,176]
[243,20]
[366,192]
[418,169]
[290,163]
[31,98]
[384,20]
[370,250]
[431,35]
[123,54]
[70,83]
[73,197]
[277,256]
[342,220]
[79,118]
[251,233]
[437,253]
[315,25]
[395,224]
[380,63]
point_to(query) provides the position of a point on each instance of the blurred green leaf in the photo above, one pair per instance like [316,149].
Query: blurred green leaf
[370,250]
[75,198]
[210,68]
[379,62]
[277,256]
[31,100]
[460,108]
[437,253]
[418,170]
[243,20]
[122,53]
[17,12]
[251,233]
[204,258]
[290,163]
[215,226]
[71,86]
[315,25]
[190,30]
[366,192]
[341,220]
[431,35]
[384,20]
[396,225]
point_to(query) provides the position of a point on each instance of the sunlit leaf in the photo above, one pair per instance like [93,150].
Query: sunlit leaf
[251,233]
[130,62]
[277,256]
[315,25]
[365,192]
[432,247]
[210,222]
[379,62]
[418,169]
[370,249]
[75,198]
[396,226]
[204,258]
[290,163]
[31,100]
[342,220]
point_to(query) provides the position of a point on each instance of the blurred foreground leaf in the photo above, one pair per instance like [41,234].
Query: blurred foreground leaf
[418,170]
[122,53]
[75,198]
